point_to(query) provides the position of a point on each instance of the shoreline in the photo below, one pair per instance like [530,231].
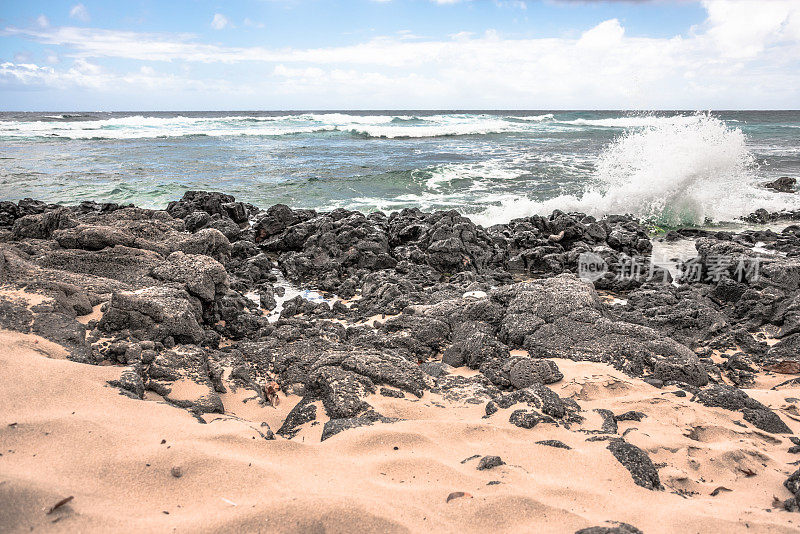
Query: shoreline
[427,340]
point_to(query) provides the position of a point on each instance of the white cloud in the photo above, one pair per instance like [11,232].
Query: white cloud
[42,21]
[79,12]
[24,74]
[511,3]
[220,22]
[743,55]
[252,23]
[461,36]
[606,34]
[86,75]
[745,28]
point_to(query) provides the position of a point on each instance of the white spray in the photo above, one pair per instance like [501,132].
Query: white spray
[674,171]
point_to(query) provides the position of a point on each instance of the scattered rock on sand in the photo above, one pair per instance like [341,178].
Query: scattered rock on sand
[637,462]
[490,462]
[619,528]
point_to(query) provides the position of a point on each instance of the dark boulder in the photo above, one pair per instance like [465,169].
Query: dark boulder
[637,462]
[335,426]
[754,412]
[42,225]
[524,418]
[202,276]
[784,184]
[490,462]
[158,312]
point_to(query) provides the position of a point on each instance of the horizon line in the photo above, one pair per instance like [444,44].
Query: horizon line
[372,110]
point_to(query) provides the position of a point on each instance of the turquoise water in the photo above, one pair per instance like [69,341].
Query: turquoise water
[668,166]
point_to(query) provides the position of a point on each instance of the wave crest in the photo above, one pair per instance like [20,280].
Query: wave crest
[685,171]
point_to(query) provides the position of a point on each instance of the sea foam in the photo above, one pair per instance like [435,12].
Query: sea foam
[686,170]
[371,126]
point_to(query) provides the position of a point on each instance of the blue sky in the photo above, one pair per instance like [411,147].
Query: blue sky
[399,54]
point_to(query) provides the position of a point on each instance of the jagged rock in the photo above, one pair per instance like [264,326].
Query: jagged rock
[96,237]
[42,225]
[187,365]
[428,331]
[335,426]
[563,317]
[730,398]
[609,421]
[130,381]
[490,462]
[472,347]
[793,482]
[196,220]
[630,416]
[202,276]
[524,372]
[130,266]
[784,184]
[637,462]
[341,391]
[524,418]
[15,315]
[267,297]
[158,312]
[212,203]
[8,213]
[208,242]
[536,396]
[554,443]
[227,227]
[388,369]
[619,528]
[64,330]
[787,348]
[303,412]
[682,312]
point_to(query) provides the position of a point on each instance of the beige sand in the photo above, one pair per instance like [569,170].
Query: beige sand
[72,435]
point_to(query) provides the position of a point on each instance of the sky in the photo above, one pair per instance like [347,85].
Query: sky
[398,54]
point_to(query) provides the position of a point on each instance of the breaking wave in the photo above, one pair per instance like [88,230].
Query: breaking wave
[68,126]
[686,170]
[77,126]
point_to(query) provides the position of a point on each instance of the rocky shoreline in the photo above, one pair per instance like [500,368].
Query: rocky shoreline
[195,300]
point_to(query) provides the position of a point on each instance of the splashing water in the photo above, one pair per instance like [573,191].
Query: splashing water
[678,173]
[671,172]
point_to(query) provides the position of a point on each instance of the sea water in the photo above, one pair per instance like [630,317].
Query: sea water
[671,168]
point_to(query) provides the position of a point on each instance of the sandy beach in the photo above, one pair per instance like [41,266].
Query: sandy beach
[67,433]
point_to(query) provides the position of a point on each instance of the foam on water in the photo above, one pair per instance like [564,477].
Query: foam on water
[636,121]
[533,118]
[376,126]
[140,127]
[479,174]
[686,170]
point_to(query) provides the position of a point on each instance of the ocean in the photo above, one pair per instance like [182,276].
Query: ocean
[670,168]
